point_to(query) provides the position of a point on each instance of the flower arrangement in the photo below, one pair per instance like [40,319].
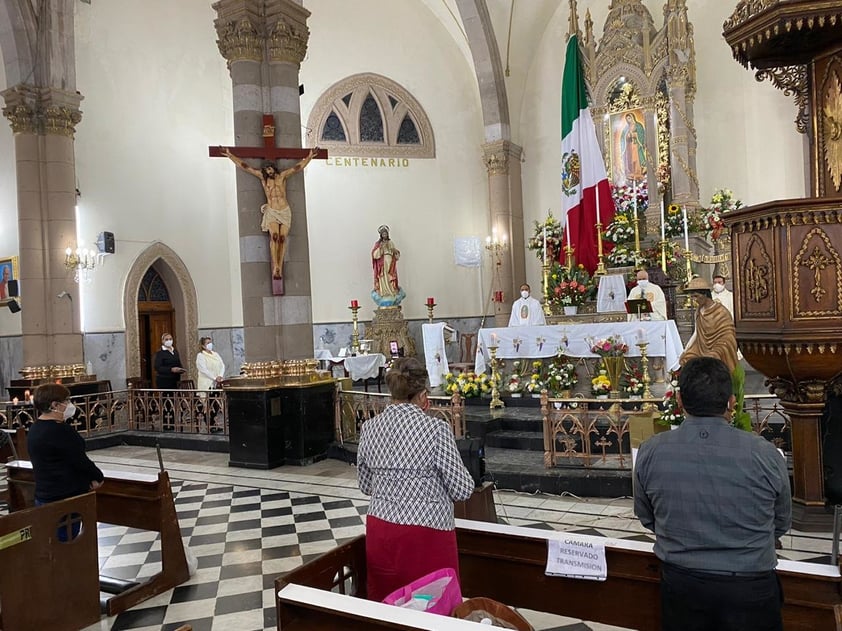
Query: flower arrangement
[622,256]
[536,379]
[632,383]
[554,233]
[515,384]
[676,266]
[672,413]
[601,384]
[621,230]
[612,346]
[561,376]
[467,384]
[624,198]
[673,221]
[721,202]
[569,287]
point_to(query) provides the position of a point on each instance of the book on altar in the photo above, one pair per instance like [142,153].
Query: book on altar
[638,307]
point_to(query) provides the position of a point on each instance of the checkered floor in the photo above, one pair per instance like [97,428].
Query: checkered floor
[246,527]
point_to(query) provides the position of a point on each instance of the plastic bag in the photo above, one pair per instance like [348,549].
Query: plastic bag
[502,616]
[437,592]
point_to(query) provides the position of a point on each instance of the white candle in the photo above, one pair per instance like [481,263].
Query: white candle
[545,244]
[494,339]
[686,231]
[663,221]
[596,190]
[634,197]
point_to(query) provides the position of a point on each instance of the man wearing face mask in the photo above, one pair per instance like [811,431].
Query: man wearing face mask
[526,311]
[61,467]
[722,295]
[644,290]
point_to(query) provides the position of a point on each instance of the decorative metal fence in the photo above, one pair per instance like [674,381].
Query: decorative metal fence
[595,433]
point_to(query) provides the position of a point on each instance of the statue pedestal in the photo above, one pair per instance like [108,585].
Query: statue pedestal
[388,325]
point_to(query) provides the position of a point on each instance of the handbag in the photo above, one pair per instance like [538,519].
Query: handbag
[437,592]
[502,616]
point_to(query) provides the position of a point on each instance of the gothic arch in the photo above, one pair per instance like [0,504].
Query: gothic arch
[182,295]
[18,27]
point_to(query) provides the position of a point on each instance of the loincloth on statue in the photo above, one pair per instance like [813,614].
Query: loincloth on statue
[273,215]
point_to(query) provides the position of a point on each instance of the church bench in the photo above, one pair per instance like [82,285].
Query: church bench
[129,499]
[507,564]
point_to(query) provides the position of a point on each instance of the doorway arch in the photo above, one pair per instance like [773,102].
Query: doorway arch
[182,293]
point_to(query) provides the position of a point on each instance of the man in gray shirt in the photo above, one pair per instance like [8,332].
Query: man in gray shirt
[717,498]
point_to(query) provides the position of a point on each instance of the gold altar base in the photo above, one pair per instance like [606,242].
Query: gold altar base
[387,325]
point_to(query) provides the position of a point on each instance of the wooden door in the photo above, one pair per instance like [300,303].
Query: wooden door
[153,324]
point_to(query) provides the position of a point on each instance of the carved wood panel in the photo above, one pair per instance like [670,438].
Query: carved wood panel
[816,272]
[755,275]
[827,114]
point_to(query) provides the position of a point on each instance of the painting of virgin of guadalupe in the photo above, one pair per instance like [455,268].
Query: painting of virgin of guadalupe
[628,146]
[8,272]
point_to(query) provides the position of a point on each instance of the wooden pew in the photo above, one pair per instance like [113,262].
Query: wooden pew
[125,499]
[507,563]
[45,583]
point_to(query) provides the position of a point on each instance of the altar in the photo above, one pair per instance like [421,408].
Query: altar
[574,340]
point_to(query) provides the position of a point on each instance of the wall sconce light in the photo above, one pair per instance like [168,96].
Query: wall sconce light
[81,262]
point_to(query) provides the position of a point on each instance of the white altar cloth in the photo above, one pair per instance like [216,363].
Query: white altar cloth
[544,341]
[365,366]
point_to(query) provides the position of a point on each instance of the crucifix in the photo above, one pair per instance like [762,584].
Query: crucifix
[277,215]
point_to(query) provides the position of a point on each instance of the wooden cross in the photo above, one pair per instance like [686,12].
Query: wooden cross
[269,152]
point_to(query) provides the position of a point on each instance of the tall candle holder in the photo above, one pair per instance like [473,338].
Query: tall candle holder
[688,302]
[568,256]
[355,336]
[644,363]
[430,307]
[636,222]
[495,378]
[663,245]
[545,268]
[600,266]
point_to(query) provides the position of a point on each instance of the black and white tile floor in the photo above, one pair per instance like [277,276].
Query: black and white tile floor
[247,527]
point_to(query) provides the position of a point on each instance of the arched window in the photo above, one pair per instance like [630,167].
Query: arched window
[152,288]
[369,115]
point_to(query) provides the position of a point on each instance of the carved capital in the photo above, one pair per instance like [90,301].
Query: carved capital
[794,82]
[808,391]
[496,156]
[239,40]
[44,111]
[288,42]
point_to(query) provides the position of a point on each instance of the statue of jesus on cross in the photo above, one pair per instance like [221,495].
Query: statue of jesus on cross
[277,215]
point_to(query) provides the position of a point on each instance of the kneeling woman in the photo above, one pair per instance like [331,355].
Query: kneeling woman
[409,464]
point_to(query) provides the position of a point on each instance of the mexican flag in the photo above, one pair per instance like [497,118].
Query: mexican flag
[583,178]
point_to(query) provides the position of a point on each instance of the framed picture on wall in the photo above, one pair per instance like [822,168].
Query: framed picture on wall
[628,146]
[8,272]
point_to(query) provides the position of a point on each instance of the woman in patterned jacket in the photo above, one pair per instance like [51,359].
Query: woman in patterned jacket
[409,464]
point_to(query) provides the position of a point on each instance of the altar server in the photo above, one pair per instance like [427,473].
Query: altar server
[526,311]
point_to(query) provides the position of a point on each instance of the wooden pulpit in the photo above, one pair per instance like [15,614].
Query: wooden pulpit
[787,254]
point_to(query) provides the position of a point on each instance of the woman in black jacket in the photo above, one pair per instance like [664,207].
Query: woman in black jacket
[168,366]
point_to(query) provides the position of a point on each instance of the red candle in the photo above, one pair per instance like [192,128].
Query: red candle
[431,301]
[354,304]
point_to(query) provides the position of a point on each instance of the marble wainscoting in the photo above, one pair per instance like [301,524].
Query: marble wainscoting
[107,354]
[333,336]
[228,342]
[11,361]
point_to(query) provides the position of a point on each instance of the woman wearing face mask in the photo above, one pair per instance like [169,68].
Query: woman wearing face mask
[61,467]
[409,464]
[168,367]
[209,365]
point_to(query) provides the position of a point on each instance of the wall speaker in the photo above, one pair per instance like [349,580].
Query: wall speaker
[14,306]
[14,289]
[105,242]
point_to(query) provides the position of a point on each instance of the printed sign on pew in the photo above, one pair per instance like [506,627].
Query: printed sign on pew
[576,557]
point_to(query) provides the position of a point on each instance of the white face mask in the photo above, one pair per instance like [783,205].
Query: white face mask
[718,287]
[642,283]
[209,346]
[69,411]
[524,294]
[168,343]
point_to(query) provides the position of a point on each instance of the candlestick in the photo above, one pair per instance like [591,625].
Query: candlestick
[431,301]
[568,253]
[355,336]
[663,221]
[644,363]
[545,243]
[596,191]
[600,267]
[663,245]
[431,304]
[545,269]
[494,340]
[354,304]
[686,229]
[495,377]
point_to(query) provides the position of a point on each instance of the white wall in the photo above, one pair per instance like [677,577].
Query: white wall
[157,93]
[746,138]
[10,323]
[426,204]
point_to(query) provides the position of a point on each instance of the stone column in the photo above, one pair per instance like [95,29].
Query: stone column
[685,185]
[43,121]
[264,42]
[505,204]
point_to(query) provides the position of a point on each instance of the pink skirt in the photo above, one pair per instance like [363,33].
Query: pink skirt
[398,554]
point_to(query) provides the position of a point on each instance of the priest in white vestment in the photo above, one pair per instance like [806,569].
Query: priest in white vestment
[652,293]
[526,311]
[722,295]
